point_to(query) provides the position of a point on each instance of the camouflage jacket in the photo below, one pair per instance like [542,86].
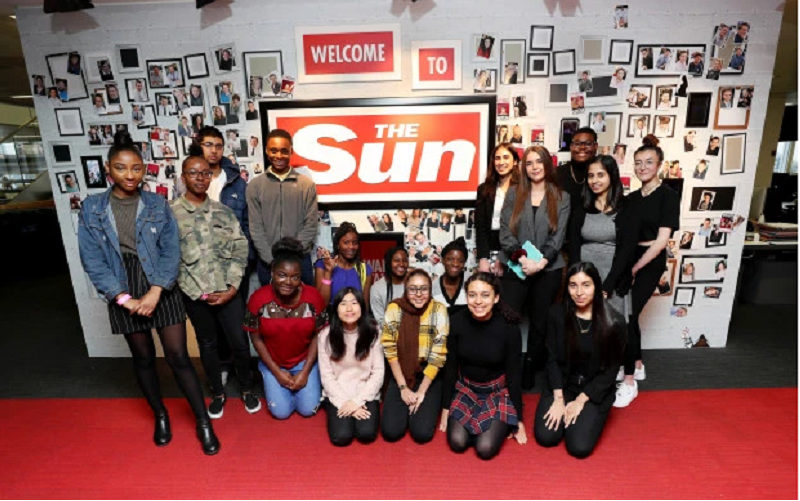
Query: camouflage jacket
[213,247]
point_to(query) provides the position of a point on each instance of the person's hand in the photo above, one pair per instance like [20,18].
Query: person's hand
[573,410]
[635,269]
[361,413]
[347,409]
[520,436]
[300,381]
[285,379]
[530,267]
[149,302]
[408,396]
[484,265]
[605,294]
[329,262]
[220,298]
[555,414]
[497,268]
[132,305]
[443,421]
[415,407]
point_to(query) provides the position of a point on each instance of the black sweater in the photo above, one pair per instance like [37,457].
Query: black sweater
[482,351]
[486,240]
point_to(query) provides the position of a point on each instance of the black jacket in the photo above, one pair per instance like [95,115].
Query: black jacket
[601,380]
[485,239]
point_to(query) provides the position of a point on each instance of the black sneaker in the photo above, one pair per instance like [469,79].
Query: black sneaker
[215,410]
[251,402]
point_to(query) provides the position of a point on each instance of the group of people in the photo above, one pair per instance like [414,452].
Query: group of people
[450,349]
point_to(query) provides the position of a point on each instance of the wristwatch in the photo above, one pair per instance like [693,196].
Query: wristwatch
[403,387]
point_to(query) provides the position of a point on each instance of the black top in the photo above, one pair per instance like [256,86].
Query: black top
[573,186]
[660,209]
[600,380]
[486,240]
[482,351]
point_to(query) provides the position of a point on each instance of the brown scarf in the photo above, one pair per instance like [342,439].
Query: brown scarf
[408,340]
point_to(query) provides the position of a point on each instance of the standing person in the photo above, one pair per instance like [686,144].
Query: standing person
[284,318]
[482,397]
[414,341]
[213,262]
[392,285]
[500,177]
[345,268]
[583,150]
[449,289]
[657,208]
[128,241]
[603,233]
[585,340]
[351,369]
[536,210]
[283,204]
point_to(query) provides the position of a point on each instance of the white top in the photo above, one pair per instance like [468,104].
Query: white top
[378,300]
[350,378]
[499,198]
[437,294]
[215,188]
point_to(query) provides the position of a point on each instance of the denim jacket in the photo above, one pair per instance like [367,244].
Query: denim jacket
[157,243]
[233,195]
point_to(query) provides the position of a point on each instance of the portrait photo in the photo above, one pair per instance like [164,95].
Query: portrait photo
[137,90]
[484,80]
[93,172]
[484,49]
[165,73]
[68,182]
[225,58]
[638,126]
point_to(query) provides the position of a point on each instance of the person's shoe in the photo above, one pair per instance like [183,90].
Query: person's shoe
[625,394]
[224,375]
[251,402]
[528,375]
[638,374]
[621,373]
[209,441]
[216,408]
[162,434]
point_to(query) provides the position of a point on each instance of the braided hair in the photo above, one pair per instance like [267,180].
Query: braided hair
[387,268]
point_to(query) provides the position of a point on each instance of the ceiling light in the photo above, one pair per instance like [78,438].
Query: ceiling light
[13,17]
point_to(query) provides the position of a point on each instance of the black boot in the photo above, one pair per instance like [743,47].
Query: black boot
[209,441]
[163,434]
[528,374]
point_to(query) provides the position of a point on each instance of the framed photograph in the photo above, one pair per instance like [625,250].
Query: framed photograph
[538,65]
[564,62]
[712,199]
[93,173]
[512,61]
[70,122]
[60,154]
[196,66]
[716,238]
[484,80]
[165,104]
[224,92]
[665,60]
[102,101]
[666,97]
[129,59]
[729,45]
[68,182]
[262,73]
[608,127]
[698,109]
[604,91]
[137,90]
[225,57]
[485,48]
[592,48]
[100,135]
[703,269]
[569,126]
[638,126]
[639,96]
[143,116]
[729,116]
[733,153]
[684,296]
[664,125]
[98,68]
[712,292]
[165,73]
[436,64]
[620,52]
[666,284]
[557,94]
[67,76]
[164,143]
[541,37]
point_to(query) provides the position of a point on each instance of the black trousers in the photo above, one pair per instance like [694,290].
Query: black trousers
[533,297]
[228,318]
[422,424]
[223,348]
[342,431]
[581,437]
[642,290]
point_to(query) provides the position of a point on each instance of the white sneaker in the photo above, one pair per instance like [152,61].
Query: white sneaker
[639,374]
[625,394]
[621,373]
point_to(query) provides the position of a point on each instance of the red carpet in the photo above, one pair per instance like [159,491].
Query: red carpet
[714,444]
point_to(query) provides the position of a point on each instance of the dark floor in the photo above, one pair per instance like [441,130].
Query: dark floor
[43,355]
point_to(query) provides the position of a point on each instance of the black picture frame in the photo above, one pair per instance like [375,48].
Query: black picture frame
[566,131]
[61,111]
[164,63]
[691,301]
[532,57]
[568,72]
[714,257]
[152,111]
[101,182]
[698,109]
[53,76]
[60,179]
[205,64]
[538,27]
[652,73]
[721,238]
[611,59]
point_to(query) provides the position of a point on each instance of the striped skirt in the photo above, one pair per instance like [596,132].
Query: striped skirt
[169,311]
[476,405]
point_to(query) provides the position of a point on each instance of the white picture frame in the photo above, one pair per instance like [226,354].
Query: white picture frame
[259,68]
[485,54]
[60,154]
[512,52]
[455,83]
[218,61]
[558,94]
[592,49]
[92,63]
[129,58]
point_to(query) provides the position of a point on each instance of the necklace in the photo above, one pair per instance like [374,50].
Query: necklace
[573,175]
[580,326]
[651,190]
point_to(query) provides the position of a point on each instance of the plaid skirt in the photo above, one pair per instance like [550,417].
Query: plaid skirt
[169,311]
[476,405]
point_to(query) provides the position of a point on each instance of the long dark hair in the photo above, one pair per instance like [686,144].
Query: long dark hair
[552,190]
[508,313]
[606,323]
[488,188]
[387,269]
[367,328]
[614,196]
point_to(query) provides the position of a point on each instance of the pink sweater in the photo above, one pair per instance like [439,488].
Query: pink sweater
[350,378]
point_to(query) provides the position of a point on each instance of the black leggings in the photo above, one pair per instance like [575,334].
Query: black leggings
[342,431]
[580,437]
[422,424]
[642,290]
[487,444]
[173,339]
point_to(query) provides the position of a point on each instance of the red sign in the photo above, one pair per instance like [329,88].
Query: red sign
[373,250]
[386,153]
[437,64]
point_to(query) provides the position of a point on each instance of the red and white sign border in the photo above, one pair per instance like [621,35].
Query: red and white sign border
[455,84]
[305,78]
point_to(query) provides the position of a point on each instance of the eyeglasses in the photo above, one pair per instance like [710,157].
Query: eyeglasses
[582,144]
[418,291]
[205,174]
[212,146]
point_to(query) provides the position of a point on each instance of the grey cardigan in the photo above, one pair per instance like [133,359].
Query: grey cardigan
[537,231]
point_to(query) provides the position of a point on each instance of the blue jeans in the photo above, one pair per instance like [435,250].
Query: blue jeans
[265,272]
[282,402]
